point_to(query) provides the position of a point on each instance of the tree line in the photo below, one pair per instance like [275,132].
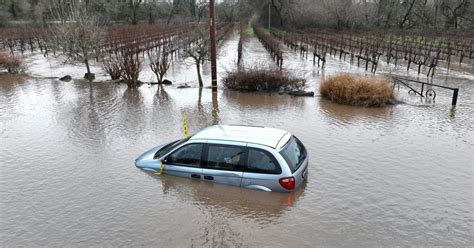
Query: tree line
[42,12]
[347,14]
[340,14]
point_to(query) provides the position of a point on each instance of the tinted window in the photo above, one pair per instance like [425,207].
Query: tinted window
[189,155]
[294,153]
[260,161]
[224,157]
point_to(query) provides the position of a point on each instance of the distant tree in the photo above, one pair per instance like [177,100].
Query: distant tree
[199,51]
[407,8]
[18,9]
[278,6]
[78,34]
[175,7]
[5,16]
[150,7]
[134,7]
[201,8]
[38,11]
[340,12]
[454,11]
[159,62]
[227,11]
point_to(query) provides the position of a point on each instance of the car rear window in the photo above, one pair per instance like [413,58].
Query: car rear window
[294,153]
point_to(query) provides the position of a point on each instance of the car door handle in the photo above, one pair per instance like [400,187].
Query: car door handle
[209,177]
[195,176]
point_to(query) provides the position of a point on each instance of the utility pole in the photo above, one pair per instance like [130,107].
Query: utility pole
[212,29]
[269,16]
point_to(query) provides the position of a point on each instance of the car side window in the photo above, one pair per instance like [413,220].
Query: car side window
[260,161]
[224,157]
[188,155]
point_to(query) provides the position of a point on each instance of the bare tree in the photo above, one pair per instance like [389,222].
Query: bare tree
[227,9]
[134,6]
[79,34]
[151,9]
[159,62]
[340,11]
[198,51]
[175,6]
[201,6]
[453,11]
[407,10]
[278,6]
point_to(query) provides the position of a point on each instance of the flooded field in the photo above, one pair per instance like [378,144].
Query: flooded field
[399,175]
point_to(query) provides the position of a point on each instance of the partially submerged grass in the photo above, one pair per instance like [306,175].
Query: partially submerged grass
[249,32]
[262,79]
[265,30]
[356,90]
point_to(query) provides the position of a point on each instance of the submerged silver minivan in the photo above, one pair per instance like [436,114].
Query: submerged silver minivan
[252,157]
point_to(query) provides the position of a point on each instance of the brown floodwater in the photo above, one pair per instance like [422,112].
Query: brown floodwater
[393,176]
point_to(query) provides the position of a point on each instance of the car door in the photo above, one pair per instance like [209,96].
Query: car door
[223,162]
[262,170]
[185,161]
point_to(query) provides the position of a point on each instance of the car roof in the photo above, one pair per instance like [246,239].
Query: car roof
[266,136]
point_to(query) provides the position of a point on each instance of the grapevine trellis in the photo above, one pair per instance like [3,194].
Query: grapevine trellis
[368,48]
[123,47]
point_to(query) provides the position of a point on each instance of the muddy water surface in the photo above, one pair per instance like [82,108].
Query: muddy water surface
[398,175]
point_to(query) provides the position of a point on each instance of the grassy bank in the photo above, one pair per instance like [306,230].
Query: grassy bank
[356,90]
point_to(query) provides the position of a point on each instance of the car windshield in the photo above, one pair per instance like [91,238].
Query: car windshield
[165,149]
[294,153]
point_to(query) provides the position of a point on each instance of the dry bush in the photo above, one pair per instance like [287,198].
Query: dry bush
[11,63]
[111,64]
[260,79]
[355,90]
[130,62]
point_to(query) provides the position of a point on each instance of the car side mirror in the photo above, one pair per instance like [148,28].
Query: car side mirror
[164,161]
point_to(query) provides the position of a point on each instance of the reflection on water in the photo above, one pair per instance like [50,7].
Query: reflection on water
[399,175]
[220,203]
[345,114]
[215,109]
[263,207]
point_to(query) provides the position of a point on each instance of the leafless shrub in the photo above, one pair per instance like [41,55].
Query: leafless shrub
[11,63]
[111,64]
[262,79]
[130,62]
